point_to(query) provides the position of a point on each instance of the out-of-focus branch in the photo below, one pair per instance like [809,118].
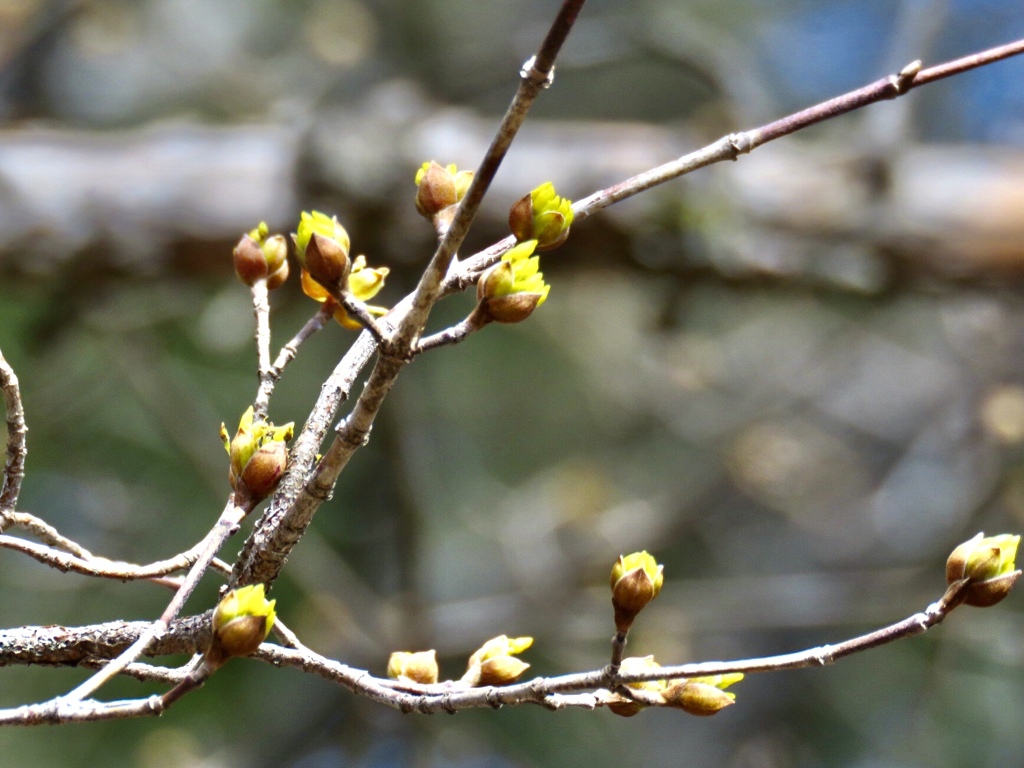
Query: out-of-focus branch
[14,466]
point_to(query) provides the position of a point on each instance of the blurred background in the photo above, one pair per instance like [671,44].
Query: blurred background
[797,379]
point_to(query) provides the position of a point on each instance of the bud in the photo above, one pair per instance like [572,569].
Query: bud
[987,562]
[494,663]
[258,455]
[510,290]
[697,698]
[542,216]
[322,247]
[363,284]
[419,667]
[242,620]
[439,188]
[636,579]
[625,707]
[259,256]
[250,262]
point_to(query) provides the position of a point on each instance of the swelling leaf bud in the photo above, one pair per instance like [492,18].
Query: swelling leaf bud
[987,562]
[636,579]
[419,667]
[242,620]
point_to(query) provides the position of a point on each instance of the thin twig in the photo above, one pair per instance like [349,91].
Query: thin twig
[456,334]
[14,466]
[47,534]
[285,356]
[225,527]
[261,309]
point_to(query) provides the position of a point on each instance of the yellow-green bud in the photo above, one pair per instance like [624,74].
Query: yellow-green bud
[697,698]
[987,562]
[494,663]
[419,667]
[322,247]
[439,188]
[258,456]
[626,707]
[241,621]
[542,216]
[250,261]
[278,277]
[259,256]
[636,579]
[510,290]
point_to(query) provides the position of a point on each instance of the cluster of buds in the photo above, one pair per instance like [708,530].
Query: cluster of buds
[495,662]
[987,562]
[262,256]
[510,290]
[258,456]
[439,190]
[242,620]
[636,579]
[542,216]
[363,284]
[419,667]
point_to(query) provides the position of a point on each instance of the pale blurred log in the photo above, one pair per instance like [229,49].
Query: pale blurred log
[952,209]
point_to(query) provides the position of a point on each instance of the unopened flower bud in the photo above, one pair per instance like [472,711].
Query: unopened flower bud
[501,670]
[250,261]
[987,562]
[435,189]
[278,277]
[242,620]
[419,667]
[439,188]
[542,216]
[264,470]
[494,663]
[258,456]
[636,579]
[697,698]
[513,288]
[322,247]
[627,708]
